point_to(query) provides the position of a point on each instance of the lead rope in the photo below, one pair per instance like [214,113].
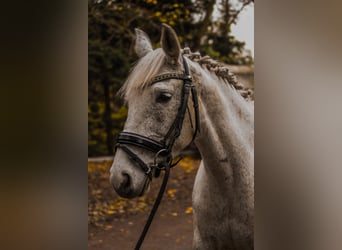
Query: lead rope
[154,208]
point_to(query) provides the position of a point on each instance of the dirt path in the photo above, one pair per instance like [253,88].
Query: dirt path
[172,225]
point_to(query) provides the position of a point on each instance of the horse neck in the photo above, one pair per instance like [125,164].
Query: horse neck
[226,141]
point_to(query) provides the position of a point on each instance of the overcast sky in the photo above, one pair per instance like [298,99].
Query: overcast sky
[244,29]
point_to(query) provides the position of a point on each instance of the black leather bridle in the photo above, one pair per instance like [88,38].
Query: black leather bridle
[164,147]
[161,148]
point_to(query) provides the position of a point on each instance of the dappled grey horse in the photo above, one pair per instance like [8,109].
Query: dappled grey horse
[223,193]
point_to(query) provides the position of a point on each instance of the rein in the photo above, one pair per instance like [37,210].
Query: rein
[161,148]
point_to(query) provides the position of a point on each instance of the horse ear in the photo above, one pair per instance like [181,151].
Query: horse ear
[142,43]
[170,44]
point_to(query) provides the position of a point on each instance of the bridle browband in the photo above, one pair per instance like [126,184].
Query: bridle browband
[162,148]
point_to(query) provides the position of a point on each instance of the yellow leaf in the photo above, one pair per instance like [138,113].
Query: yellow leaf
[110,212]
[188,210]
[171,192]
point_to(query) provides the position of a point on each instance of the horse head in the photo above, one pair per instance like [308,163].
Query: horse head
[159,122]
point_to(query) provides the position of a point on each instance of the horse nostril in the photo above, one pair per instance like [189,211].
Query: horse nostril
[125,182]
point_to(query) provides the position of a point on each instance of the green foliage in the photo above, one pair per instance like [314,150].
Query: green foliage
[110,51]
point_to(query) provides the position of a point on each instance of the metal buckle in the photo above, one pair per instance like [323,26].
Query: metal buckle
[149,170]
[188,77]
[155,164]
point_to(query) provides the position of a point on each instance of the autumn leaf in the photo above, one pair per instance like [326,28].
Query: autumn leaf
[110,212]
[188,210]
[171,192]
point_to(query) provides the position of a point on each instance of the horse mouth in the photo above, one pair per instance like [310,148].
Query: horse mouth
[125,193]
[145,188]
[126,190]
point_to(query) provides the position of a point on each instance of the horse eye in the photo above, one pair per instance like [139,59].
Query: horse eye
[163,97]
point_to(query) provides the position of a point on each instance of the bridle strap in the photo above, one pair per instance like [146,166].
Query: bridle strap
[177,125]
[166,76]
[194,100]
[140,141]
[137,160]
[195,105]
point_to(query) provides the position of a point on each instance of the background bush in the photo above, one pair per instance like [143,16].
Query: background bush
[110,50]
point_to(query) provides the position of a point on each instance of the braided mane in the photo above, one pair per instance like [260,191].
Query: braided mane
[149,66]
[221,70]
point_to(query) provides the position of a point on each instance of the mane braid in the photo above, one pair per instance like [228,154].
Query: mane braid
[149,66]
[221,70]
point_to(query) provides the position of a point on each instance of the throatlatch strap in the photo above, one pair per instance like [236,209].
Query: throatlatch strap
[195,105]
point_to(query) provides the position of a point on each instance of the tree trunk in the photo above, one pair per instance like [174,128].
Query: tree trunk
[203,26]
[107,119]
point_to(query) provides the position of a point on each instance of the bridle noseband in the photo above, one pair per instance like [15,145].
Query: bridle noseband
[161,148]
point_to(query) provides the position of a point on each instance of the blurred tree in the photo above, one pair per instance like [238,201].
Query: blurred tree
[111,26]
[219,39]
